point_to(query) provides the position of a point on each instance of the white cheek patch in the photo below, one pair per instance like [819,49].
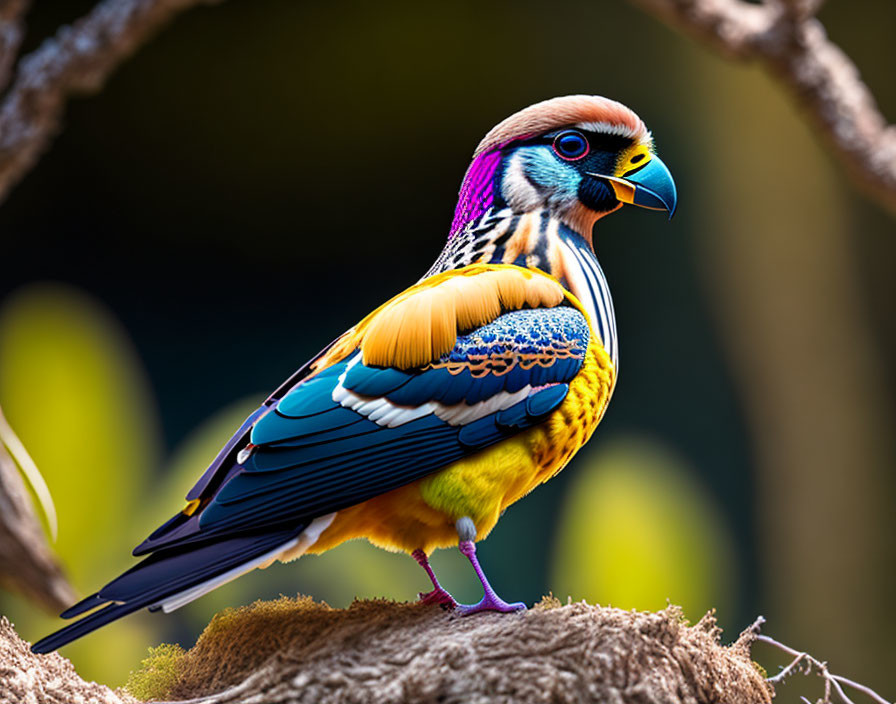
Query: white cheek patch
[516,188]
[389,415]
[536,178]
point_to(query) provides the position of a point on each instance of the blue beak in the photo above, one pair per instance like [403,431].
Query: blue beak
[654,187]
[650,187]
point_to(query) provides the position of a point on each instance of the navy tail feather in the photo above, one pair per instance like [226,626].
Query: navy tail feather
[109,613]
[82,607]
[161,576]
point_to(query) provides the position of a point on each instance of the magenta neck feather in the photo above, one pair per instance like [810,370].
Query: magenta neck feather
[477,193]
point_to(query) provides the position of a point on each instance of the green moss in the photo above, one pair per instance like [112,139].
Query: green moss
[158,673]
[549,602]
[760,669]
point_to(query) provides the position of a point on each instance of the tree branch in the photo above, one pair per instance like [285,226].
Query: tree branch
[12,31]
[77,60]
[791,43]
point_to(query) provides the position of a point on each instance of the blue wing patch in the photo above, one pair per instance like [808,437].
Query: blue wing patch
[305,477]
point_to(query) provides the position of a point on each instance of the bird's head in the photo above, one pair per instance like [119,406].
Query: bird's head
[578,156]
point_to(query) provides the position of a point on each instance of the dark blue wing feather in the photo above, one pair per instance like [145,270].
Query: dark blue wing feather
[225,459]
[161,575]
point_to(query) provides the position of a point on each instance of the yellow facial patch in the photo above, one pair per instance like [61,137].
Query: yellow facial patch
[632,158]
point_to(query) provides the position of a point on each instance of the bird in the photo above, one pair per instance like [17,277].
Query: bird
[421,424]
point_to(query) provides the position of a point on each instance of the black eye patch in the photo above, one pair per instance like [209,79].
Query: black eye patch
[598,141]
[597,195]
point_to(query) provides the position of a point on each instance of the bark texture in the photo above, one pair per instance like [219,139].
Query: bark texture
[375,651]
[26,678]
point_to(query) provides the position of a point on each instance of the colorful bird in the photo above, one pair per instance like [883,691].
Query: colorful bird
[417,427]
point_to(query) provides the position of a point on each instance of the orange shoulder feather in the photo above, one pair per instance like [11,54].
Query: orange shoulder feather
[421,324]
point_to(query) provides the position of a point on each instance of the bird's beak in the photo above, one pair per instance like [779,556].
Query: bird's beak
[650,187]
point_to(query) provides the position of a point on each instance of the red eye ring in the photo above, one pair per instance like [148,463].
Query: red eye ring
[571,145]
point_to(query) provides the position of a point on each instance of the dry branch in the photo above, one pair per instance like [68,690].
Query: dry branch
[375,651]
[804,663]
[77,60]
[786,38]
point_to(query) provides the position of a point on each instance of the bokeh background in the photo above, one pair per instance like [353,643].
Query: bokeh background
[265,172]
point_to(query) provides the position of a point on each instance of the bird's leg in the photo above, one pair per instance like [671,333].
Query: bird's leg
[438,595]
[466,531]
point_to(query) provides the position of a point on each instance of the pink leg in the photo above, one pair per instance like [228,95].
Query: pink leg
[491,601]
[437,595]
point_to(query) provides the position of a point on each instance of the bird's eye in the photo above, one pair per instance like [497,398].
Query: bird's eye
[570,145]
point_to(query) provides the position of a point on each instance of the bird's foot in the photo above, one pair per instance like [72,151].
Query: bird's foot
[438,596]
[490,603]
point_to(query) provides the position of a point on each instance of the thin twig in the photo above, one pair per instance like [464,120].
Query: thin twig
[786,37]
[77,60]
[804,663]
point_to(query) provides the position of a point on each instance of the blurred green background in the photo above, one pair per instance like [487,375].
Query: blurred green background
[264,173]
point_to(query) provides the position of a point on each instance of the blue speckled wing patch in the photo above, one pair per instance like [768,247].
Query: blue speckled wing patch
[525,347]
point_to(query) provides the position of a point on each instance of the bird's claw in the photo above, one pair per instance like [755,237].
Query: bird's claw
[438,596]
[488,603]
